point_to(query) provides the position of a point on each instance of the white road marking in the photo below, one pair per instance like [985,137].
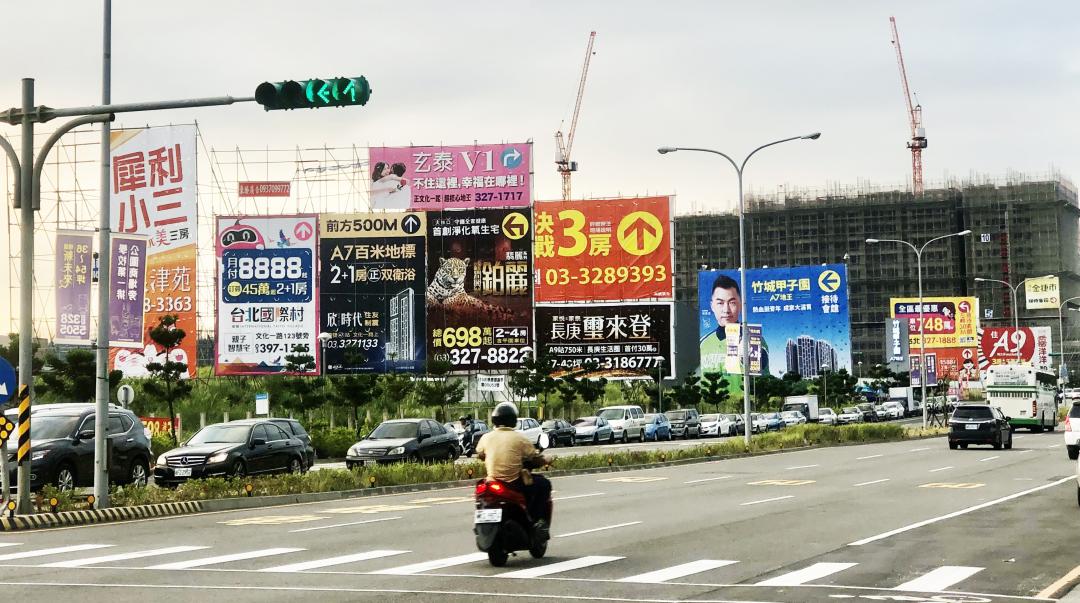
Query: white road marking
[579,496]
[426,566]
[989,458]
[618,525]
[1017,437]
[1054,446]
[342,525]
[124,556]
[2,544]
[984,505]
[872,456]
[940,469]
[814,572]
[53,551]
[562,566]
[801,467]
[190,563]
[706,479]
[940,579]
[329,561]
[758,502]
[1025,451]
[919,449]
[677,571]
[877,481]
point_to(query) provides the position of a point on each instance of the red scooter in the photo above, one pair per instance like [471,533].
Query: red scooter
[502,523]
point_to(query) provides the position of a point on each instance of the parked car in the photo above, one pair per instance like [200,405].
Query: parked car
[717,425]
[792,417]
[880,414]
[869,415]
[415,440]
[296,430]
[893,410]
[737,422]
[657,427]
[827,416]
[848,415]
[759,424]
[236,448]
[979,424]
[62,448]
[685,422]
[533,432]
[627,422]
[1072,394]
[595,430]
[559,431]
[773,421]
[1072,430]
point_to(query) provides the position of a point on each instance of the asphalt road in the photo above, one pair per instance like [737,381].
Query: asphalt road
[905,521]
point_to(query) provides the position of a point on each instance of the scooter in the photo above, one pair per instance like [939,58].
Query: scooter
[502,523]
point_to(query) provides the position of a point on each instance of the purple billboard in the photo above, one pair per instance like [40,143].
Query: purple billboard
[128,265]
[73,257]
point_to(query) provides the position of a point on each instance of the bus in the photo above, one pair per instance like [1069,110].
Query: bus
[1026,395]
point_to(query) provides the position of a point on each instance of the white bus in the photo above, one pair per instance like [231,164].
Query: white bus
[1027,396]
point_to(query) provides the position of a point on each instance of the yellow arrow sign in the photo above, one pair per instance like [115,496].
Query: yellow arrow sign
[829,281]
[515,226]
[640,233]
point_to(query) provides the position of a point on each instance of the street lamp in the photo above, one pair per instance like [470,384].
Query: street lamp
[1016,307]
[922,339]
[660,382]
[825,384]
[323,338]
[744,340]
[1061,335]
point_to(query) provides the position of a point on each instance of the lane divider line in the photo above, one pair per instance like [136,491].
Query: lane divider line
[876,481]
[989,458]
[707,479]
[802,467]
[578,496]
[765,500]
[591,530]
[342,525]
[940,469]
[919,449]
[872,456]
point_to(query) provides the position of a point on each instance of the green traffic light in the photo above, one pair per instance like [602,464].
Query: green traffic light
[313,93]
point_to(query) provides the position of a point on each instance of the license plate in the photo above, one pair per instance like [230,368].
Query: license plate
[182,472]
[488,516]
[369,462]
[971,426]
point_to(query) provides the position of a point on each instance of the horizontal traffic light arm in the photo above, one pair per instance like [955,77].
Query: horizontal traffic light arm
[43,114]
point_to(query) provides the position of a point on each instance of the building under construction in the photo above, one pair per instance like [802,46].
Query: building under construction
[1020,228]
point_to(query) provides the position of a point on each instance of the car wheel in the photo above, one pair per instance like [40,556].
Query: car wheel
[1074,452]
[998,443]
[625,437]
[296,466]
[596,439]
[1008,443]
[553,442]
[963,446]
[497,557]
[538,550]
[65,477]
[1036,429]
[611,438]
[670,436]
[139,473]
[239,469]
[952,445]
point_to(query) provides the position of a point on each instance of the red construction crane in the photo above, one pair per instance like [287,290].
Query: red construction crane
[562,148]
[918,133]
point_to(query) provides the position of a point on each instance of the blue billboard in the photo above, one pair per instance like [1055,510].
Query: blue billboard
[802,310]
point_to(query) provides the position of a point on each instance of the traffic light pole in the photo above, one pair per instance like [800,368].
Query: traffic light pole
[26,273]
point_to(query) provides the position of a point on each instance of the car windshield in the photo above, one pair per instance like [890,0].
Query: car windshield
[586,421]
[649,418]
[220,434]
[851,410]
[548,425]
[394,431]
[825,411]
[611,413]
[676,415]
[710,417]
[731,417]
[1074,412]
[973,412]
[48,427]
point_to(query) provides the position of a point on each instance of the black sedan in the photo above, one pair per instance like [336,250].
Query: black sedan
[415,440]
[559,431]
[233,449]
[979,424]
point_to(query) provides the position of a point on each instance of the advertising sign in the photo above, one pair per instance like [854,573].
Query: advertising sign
[128,257]
[896,344]
[460,177]
[733,362]
[623,341]
[73,266]
[603,250]
[160,425]
[1042,293]
[950,364]
[999,345]
[154,195]
[802,311]
[491,383]
[267,304]
[931,370]
[371,291]
[949,322]
[479,292]
[277,188]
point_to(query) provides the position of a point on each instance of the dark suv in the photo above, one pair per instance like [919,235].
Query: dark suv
[62,448]
[296,430]
[685,422]
[979,424]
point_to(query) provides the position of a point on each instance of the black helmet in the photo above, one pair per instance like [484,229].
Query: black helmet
[505,414]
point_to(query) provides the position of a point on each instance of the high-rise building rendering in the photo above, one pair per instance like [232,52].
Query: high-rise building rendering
[809,357]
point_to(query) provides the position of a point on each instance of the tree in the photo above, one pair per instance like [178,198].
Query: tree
[439,389]
[533,379]
[356,390]
[688,393]
[73,378]
[165,377]
[767,387]
[393,389]
[10,352]
[714,390]
[300,359]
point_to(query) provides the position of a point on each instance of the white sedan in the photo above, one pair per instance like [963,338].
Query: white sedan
[532,430]
[850,414]
[826,416]
[792,417]
[716,425]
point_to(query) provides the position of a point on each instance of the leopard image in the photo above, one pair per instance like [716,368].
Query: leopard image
[447,289]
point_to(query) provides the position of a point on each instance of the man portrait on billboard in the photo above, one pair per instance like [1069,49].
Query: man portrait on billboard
[725,302]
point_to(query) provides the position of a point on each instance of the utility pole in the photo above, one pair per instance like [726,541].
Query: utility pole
[101,392]
[26,270]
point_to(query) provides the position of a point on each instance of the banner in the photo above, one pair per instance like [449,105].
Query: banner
[73,266]
[461,177]
[733,361]
[915,370]
[624,341]
[159,426]
[949,364]
[371,292]
[267,305]
[154,194]
[276,188]
[603,250]
[897,342]
[949,322]
[128,258]
[1042,293]
[999,345]
[491,383]
[479,292]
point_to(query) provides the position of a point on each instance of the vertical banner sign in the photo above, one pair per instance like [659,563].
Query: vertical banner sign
[73,257]
[128,255]
[622,341]
[733,361]
[267,305]
[603,250]
[896,344]
[951,327]
[460,177]
[154,195]
[1043,293]
[999,345]
[479,292]
[371,291]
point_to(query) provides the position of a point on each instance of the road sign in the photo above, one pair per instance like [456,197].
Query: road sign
[829,281]
[125,395]
[262,403]
[9,381]
[515,226]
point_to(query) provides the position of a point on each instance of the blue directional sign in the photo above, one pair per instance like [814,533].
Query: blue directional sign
[9,381]
[511,158]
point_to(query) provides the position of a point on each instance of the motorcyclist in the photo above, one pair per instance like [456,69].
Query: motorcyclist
[508,455]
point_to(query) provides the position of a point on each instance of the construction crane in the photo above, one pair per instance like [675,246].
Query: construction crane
[563,164]
[918,133]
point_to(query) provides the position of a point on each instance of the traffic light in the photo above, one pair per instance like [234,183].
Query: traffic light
[313,94]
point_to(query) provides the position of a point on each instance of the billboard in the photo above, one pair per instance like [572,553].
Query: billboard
[1042,293]
[267,304]
[802,310]
[603,250]
[999,345]
[897,342]
[153,194]
[625,341]
[948,322]
[128,259]
[371,291]
[73,257]
[457,177]
[479,291]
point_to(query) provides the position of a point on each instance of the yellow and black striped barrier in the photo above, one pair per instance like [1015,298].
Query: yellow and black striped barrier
[24,424]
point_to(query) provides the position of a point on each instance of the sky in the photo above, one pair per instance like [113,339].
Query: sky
[999,83]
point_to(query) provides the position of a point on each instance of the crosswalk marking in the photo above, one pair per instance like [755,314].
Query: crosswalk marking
[427,566]
[814,572]
[53,551]
[124,556]
[678,571]
[190,563]
[940,579]
[562,566]
[329,561]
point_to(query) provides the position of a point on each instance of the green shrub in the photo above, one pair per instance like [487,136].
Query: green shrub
[332,443]
[160,443]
